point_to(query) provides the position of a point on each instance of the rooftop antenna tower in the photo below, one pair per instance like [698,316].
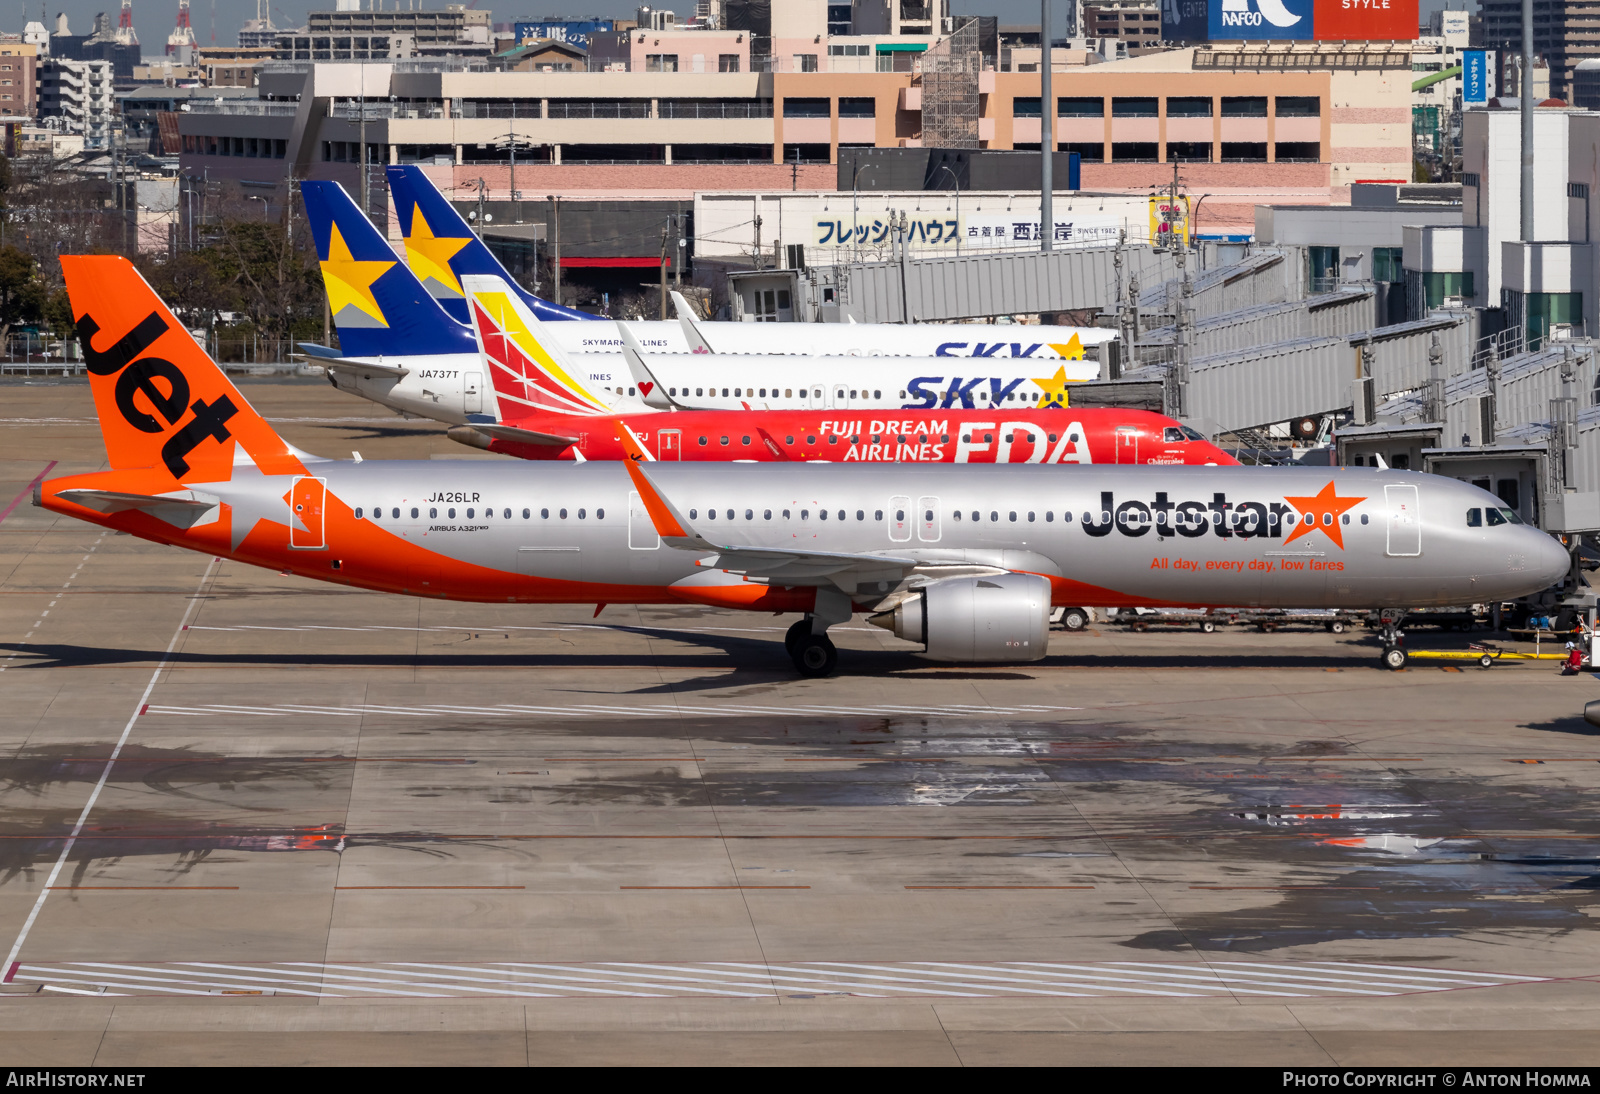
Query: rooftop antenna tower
[181,43]
[125,32]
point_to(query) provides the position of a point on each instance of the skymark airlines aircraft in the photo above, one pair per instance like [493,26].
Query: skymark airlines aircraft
[399,348]
[442,248]
[548,413]
[963,560]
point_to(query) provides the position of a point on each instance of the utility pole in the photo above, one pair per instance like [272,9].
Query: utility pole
[1525,101]
[759,264]
[677,262]
[555,247]
[366,204]
[666,232]
[1047,124]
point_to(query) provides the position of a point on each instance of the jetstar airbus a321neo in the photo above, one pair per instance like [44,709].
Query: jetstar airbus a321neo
[963,560]
[548,412]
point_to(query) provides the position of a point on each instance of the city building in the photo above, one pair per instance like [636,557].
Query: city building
[1564,34]
[356,35]
[1136,22]
[19,79]
[79,96]
[232,67]
[1436,97]
[100,45]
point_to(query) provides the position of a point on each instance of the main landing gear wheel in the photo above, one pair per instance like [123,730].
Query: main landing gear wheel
[1394,658]
[797,633]
[815,655]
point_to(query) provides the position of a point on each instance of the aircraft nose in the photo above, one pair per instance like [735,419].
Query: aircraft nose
[1548,559]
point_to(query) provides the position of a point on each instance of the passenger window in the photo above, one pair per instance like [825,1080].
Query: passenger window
[766,514]
[630,391]
[841,514]
[956,515]
[599,514]
[711,514]
[525,514]
[1052,438]
[749,514]
[788,393]
[877,394]
[1030,518]
[451,513]
[730,514]
[1049,517]
[805,514]
[944,438]
[988,438]
[1327,519]
[788,440]
[1066,517]
[358,512]
[746,440]
[724,393]
[994,517]
[1073,438]
[861,514]
[544,514]
[810,439]
[976,516]
[1013,518]
[563,514]
[1495,517]
[396,514]
[724,442]
[469,514]
[899,516]
[582,514]
[702,442]
[822,514]
[877,514]
[1363,518]
[833,438]
[698,391]
[415,513]
[488,514]
[786,514]
[1343,520]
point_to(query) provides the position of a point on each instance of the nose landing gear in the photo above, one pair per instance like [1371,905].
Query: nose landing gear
[1393,656]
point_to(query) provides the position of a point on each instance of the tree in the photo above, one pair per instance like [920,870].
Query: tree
[22,296]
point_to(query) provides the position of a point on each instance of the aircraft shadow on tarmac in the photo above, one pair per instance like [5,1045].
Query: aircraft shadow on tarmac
[760,655]
[1574,725]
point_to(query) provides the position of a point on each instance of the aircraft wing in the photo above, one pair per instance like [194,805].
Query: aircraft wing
[783,566]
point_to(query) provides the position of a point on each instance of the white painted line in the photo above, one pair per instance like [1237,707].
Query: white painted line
[105,774]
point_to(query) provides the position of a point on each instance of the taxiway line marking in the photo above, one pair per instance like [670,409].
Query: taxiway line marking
[347,887]
[659,887]
[105,775]
[26,490]
[125,888]
[998,886]
[1282,888]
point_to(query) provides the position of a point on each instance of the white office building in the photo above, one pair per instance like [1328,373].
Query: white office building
[79,94]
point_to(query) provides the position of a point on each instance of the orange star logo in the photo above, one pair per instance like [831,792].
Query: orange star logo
[1325,508]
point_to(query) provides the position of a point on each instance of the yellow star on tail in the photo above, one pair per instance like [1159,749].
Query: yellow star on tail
[1071,351]
[1054,388]
[429,255]
[350,282]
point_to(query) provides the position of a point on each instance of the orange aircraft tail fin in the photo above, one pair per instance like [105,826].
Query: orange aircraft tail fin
[162,402]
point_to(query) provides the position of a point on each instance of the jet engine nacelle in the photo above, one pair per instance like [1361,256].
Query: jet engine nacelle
[1000,618]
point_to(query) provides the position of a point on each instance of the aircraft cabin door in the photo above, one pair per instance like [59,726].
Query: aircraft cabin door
[1405,521]
[308,500]
[1127,444]
[472,392]
[669,444]
[928,519]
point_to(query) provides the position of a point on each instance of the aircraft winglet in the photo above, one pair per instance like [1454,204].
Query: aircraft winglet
[691,329]
[671,525]
[650,389]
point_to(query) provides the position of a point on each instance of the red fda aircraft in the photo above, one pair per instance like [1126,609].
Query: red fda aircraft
[550,409]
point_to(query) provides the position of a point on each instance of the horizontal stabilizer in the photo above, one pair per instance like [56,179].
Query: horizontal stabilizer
[182,509]
[479,436]
[364,366]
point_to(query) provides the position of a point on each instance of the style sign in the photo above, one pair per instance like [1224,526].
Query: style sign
[1366,20]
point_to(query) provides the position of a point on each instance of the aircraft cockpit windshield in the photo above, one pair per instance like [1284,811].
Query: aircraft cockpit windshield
[1476,518]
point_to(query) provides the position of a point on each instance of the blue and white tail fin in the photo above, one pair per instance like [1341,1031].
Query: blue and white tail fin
[379,307]
[442,248]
